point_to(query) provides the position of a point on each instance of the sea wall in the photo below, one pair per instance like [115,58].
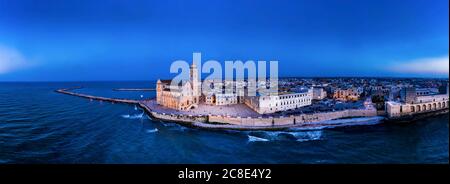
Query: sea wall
[179,118]
[292,120]
[296,120]
[417,116]
[174,117]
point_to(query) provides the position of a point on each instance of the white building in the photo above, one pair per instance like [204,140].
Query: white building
[226,99]
[419,104]
[282,102]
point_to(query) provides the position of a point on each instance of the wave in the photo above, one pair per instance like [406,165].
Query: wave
[179,128]
[175,126]
[307,135]
[148,117]
[134,116]
[254,139]
[287,135]
[152,130]
[310,132]
[166,124]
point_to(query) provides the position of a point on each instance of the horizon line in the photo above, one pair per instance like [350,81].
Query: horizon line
[305,77]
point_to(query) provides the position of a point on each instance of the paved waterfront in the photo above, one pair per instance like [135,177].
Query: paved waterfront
[240,110]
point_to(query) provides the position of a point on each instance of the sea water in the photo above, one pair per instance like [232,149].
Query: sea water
[38,125]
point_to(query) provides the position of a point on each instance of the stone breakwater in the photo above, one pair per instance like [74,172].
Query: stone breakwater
[294,120]
[238,123]
[118,100]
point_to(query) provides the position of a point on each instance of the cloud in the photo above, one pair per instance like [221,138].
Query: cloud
[436,65]
[11,60]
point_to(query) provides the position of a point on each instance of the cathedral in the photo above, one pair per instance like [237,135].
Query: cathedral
[183,96]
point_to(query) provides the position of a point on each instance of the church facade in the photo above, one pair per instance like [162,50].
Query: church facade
[182,96]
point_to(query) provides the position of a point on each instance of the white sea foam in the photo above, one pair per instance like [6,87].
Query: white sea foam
[307,135]
[152,130]
[310,132]
[254,139]
[148,117]
[134,116]
[288,135]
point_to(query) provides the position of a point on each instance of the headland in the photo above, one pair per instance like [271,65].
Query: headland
[241,117]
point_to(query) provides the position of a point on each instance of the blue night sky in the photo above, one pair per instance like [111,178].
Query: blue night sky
[54,40]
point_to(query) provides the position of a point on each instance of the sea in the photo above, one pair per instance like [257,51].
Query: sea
[38,125]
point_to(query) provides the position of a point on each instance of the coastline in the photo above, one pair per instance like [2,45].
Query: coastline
[222,126]
[415,117]
[205,122]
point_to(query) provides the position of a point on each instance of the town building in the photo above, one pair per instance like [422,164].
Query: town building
[427,91]
[414,103]
[408,94]
[319,94]
[227,99]
[350,94]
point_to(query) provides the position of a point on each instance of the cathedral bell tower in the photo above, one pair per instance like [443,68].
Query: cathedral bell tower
[159,92]
[195,83]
